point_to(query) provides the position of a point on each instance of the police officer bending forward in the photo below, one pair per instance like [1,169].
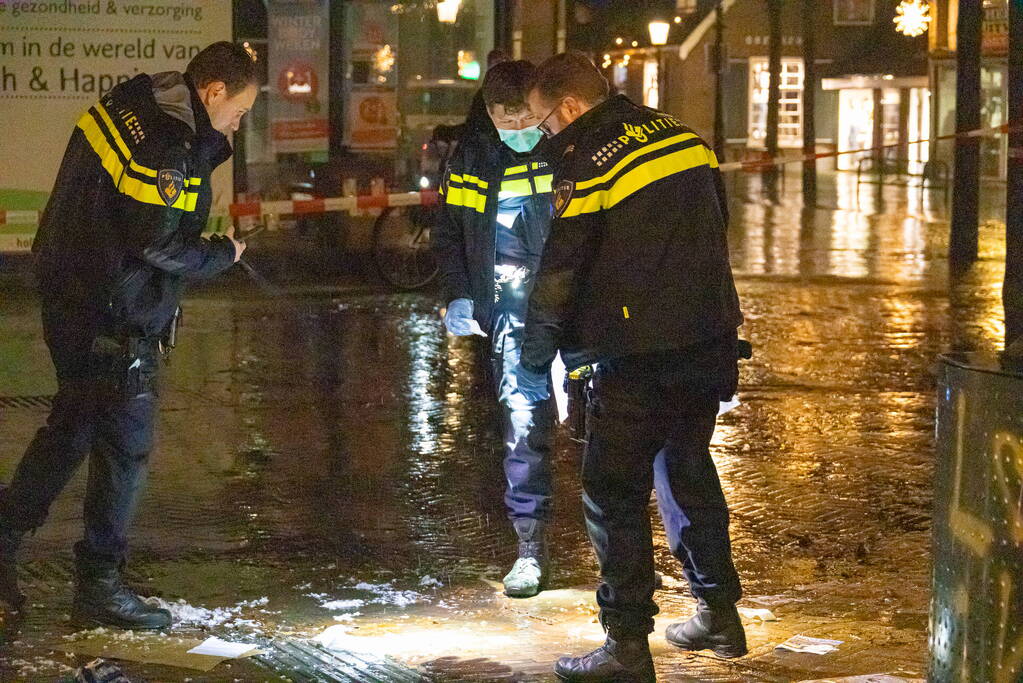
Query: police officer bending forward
[635,277]
[119,238]
[497,213]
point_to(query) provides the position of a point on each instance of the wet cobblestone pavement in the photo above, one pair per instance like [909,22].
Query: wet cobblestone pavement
[327,481]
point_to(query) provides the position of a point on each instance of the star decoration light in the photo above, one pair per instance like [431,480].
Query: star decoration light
[912,17]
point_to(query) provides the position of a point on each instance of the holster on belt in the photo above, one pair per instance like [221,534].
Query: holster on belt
[170,336]
[578,387]
[124,367]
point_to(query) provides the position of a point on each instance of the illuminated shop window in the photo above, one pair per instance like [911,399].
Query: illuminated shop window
[790,103]
[684,7]
[651,91]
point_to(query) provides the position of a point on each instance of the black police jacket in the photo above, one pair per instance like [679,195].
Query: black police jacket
[637,260]
[465,240]
[122,230]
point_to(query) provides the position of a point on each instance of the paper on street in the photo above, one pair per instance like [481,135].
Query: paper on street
[149,649]
[817,646]
[872,678]
[728,406]
[222,648]
[757,614]
[558,373]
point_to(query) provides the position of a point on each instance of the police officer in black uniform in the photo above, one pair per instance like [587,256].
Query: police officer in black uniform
[117,242]
[497,213]
[635,278]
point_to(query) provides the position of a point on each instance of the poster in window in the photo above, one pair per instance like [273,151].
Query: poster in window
[299,39]
[372,120]
[68,55]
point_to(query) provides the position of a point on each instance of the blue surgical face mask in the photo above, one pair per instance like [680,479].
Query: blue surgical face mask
[521,141]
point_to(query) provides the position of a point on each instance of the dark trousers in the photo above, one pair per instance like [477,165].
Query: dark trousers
[650,423]
[87,419]
[528,426]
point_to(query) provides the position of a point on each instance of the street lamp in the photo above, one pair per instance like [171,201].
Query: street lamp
[447,11]
[659,30]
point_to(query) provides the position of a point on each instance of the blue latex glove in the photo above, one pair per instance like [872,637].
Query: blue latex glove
[459,320]
[532,385]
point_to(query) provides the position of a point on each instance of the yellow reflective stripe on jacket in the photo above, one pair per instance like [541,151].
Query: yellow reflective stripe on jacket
[638,178]
[119,141]
[475,181]
[629,158]
[532,166]
[522,187]
[140,190]
[467,197]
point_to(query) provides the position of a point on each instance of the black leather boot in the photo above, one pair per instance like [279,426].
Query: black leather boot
[529,573]
[102,599]
[716,628]
[9,591]
[625,660]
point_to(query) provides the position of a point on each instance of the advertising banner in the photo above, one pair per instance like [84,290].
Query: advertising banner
[371,101]
[299,75]
[372,119]
[57,58]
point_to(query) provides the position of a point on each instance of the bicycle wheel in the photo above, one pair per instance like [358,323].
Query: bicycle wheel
[401,247]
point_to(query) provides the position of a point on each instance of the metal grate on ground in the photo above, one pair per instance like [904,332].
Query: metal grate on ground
[26,402]
[303,661]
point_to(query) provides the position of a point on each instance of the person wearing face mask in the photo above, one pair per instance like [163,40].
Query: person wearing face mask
[636,279]
[120,237]
[497,212]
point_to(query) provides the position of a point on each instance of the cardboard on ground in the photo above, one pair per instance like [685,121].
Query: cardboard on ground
[151,649]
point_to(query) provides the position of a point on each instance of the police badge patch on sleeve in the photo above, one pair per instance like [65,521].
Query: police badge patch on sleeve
[169,184]
[562,196]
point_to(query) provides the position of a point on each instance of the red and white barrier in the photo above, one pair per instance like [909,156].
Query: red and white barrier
[19,217]
[350,204]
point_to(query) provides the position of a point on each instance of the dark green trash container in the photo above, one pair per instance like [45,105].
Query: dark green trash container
[977,603]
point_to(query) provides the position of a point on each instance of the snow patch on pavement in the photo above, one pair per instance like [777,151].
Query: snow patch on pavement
[339,605]
[184,614]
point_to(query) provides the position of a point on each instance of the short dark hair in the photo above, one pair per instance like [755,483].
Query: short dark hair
[226,62]
[508,84]
[495,57]
[571,74]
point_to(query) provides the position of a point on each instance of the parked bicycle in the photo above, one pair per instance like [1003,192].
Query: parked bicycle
[401,235]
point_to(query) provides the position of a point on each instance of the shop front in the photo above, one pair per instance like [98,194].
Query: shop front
[994,85]
[354,89]
[883,111]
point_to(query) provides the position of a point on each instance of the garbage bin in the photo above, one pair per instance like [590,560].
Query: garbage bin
[976,619]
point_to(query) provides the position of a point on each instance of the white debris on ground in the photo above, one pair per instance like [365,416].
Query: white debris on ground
[817,646]
[39,666]
[347,618]
[340,605]
[388,595]
[871,678]
[382,594]
[184,614]
[775,600]
[120,635]
[757,614]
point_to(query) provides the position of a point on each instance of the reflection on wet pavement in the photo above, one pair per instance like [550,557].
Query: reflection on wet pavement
[328,481]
